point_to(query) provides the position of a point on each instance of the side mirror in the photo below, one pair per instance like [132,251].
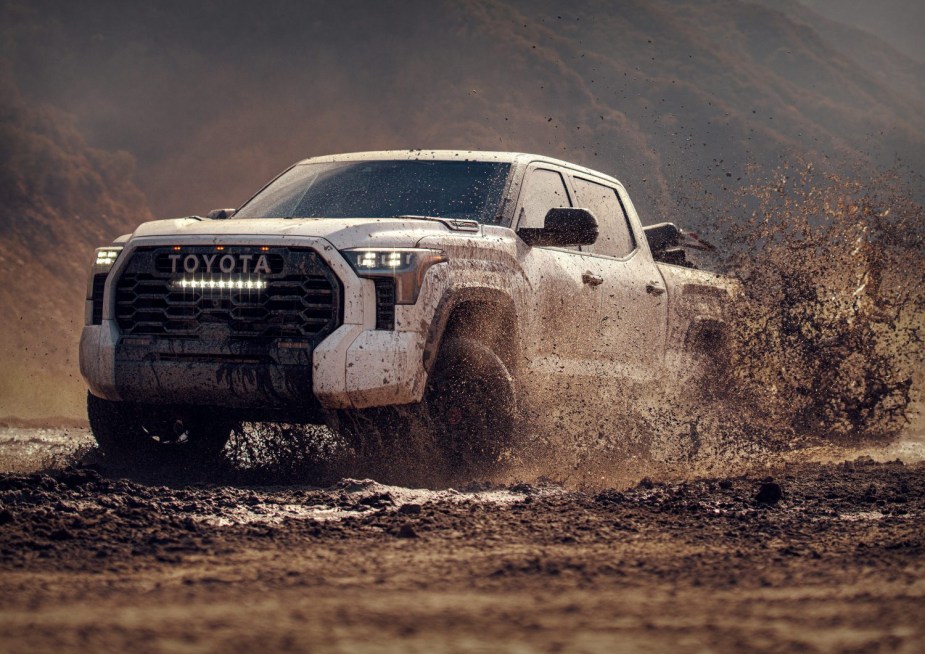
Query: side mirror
[563,226]
[221,214]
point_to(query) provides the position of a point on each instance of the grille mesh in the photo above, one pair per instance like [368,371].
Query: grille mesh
[385,303]
[301,300]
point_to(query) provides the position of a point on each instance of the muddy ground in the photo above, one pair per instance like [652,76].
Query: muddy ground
[779,555]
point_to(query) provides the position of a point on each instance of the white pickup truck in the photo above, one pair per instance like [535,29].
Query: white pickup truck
[463,287]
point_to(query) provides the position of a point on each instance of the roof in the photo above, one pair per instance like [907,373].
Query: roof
[450,155]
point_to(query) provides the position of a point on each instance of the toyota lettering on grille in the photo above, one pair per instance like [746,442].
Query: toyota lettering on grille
[225,263]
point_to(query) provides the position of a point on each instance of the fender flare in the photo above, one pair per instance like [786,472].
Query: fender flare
[451,300]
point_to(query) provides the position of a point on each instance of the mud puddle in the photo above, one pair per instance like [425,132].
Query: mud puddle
[356,498]
[25,449]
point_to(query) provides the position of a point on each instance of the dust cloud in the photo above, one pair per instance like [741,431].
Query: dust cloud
[827,337]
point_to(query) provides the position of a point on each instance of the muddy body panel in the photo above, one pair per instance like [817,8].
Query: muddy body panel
[218,375]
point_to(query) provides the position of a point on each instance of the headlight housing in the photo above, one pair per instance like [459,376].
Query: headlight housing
[103,261]
[104,258]
[406,266]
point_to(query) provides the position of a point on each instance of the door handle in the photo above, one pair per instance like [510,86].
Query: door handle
[654,288]
[591,279]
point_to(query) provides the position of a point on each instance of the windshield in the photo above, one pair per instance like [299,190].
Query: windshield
[383,189]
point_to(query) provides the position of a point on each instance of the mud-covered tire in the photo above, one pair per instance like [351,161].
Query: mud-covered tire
[464,425]
[136,435]
[471,404]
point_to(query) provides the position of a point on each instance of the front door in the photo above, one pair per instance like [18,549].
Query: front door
[562,331]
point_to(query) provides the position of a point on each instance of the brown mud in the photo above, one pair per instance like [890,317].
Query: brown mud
[779,556]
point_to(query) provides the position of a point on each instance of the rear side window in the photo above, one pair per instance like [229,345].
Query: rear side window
[615,238]
[543,190]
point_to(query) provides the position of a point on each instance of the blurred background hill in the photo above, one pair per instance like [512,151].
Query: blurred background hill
[115,112]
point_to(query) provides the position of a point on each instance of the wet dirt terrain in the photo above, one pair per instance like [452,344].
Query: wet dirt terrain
[826,557]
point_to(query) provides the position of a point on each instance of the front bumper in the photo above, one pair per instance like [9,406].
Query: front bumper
[356,366]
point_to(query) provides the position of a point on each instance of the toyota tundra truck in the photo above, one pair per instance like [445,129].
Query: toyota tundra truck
[468,289]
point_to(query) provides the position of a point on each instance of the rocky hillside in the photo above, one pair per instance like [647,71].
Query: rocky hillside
[58,199]
[215,98]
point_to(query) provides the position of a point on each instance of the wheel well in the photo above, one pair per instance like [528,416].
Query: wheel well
[490,323]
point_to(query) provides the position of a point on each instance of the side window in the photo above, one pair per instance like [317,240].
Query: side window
[615,238]
[543,190]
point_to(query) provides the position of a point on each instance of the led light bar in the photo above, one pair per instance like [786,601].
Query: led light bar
[190,284]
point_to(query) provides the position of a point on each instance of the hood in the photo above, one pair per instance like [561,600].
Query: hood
[340,232]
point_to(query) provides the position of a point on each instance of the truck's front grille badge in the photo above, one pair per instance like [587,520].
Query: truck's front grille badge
[294,295]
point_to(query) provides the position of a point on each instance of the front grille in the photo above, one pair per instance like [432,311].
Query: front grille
[301,299]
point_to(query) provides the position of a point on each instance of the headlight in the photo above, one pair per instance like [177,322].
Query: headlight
[407,266]
[105,258]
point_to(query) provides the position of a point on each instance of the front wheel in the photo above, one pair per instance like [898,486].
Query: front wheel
[136,435]
[464,425]
[471,403]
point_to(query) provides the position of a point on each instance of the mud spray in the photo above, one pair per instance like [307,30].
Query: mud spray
[823,356]
[823,346]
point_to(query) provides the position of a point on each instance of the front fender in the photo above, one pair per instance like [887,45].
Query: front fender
[450,302]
